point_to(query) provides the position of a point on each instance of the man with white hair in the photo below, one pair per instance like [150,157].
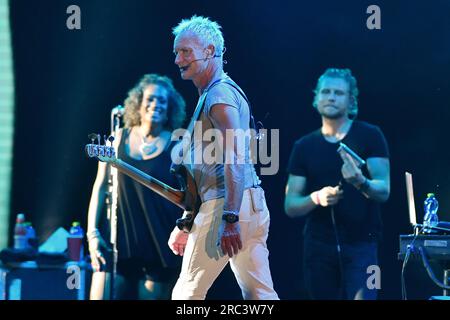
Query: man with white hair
[233,220]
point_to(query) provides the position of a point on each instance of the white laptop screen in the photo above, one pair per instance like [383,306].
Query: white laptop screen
[410,196]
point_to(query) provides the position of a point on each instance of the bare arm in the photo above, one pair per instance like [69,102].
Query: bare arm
[297,204]
[96,242]
[377,188]
[226,119]
[97,197]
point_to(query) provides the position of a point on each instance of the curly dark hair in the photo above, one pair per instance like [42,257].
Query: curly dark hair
[176,112]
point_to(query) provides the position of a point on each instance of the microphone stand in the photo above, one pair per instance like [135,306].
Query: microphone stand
[116,116]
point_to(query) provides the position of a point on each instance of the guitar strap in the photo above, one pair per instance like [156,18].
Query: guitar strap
[199,110]
[235,86]
[252,120]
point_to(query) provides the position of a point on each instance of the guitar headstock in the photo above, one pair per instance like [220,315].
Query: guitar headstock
[102,152]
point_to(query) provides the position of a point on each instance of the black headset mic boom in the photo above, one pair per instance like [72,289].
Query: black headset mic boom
[207,58]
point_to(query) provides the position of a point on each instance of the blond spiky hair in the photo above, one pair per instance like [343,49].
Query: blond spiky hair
[206,30]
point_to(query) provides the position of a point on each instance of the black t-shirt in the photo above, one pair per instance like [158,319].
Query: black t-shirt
[145,219]
[316,159]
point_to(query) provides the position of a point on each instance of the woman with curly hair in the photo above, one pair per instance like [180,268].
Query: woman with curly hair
[146,268]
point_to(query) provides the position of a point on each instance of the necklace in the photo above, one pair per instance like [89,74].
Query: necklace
[148,148]
[151,148]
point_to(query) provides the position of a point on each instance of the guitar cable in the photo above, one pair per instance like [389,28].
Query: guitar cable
[430,272]
[339,251]
[409,249]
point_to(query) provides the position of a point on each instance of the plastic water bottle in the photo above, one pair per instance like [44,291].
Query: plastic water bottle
[430,219]
[20,233]
[75,242]
[31,235]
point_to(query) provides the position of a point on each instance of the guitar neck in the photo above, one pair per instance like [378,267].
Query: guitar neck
[173,195]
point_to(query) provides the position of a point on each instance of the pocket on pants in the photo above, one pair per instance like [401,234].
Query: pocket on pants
[258,199]
[259,228]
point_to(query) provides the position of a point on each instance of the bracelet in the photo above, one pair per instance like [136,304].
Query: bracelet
[315,198]
[94,234]
[364,187]
[236,213]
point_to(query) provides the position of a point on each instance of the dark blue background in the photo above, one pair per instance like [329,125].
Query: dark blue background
[68,80]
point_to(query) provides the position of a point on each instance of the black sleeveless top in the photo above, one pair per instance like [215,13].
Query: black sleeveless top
[145,219]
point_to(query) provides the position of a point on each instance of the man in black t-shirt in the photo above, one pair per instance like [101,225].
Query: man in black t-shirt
[340,199]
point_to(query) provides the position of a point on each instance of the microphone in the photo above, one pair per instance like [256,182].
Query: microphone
[119,110]
[358,160]
[204,59]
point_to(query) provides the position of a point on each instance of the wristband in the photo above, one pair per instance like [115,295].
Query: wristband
[364,187]
[315,198]
[230,216]
[93,234]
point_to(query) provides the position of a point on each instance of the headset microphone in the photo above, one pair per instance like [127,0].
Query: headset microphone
[204,59]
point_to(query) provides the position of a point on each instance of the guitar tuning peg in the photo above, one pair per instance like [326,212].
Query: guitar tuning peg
[105,139]
[92,137]
[111,139]
[98,139]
